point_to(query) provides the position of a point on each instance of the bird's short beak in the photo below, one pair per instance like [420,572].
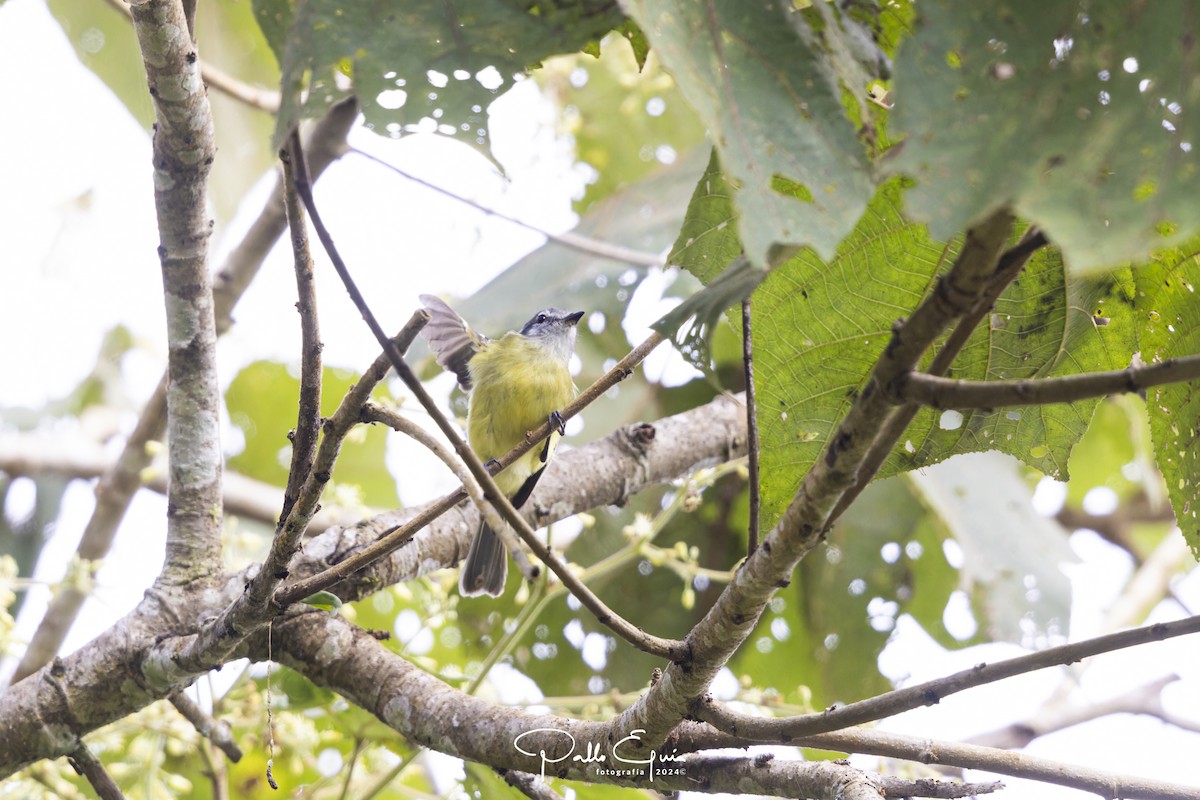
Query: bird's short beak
[575,317]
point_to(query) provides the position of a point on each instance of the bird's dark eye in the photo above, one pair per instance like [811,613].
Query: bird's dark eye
[541,318]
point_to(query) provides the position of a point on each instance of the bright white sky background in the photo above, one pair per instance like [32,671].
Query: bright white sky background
[78,232]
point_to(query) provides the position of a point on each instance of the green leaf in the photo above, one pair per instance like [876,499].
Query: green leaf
[709,247]
[1110,444]
[419,65]
[1166,300]
[325,600]
[708,241]
[1012,554]
[693,322]
[1079,119]
[756,76]
[637,41]
[262,402]
[819,328]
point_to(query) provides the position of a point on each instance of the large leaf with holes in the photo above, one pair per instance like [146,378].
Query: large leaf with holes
[1166,298]
[1081,117]
[419,65]
[820,326]
[763,83]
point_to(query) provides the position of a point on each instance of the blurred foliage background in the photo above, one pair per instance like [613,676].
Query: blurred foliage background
[959,546]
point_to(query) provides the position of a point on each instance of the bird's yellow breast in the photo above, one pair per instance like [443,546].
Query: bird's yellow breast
[517,385]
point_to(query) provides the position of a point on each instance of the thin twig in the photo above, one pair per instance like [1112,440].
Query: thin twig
[640,639]
[529,785]
[354,754]
[764,774]
[216,730]
[1003,762]
[939,392]
[34,454]
[932,692]
[308,418]
[373,412]
[253,96]
[751,425]
[607,471]
[1063,711]
[574,241]
[87,765]
[114,491]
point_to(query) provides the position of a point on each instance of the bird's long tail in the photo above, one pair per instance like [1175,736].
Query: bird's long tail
[486,566]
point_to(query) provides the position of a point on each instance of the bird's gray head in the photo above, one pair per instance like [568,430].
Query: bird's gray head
[555,329]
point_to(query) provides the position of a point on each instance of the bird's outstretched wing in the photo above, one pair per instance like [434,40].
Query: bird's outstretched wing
[451,339]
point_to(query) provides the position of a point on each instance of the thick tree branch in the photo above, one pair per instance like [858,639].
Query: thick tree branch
[184,147]
[765,774]
[939,392]
[692,737]
[337,656]
[106,677]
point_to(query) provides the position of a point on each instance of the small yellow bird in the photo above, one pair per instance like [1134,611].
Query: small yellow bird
[516,382]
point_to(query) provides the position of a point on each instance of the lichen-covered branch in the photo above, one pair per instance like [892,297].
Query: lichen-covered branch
[184,147]
[338,656]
